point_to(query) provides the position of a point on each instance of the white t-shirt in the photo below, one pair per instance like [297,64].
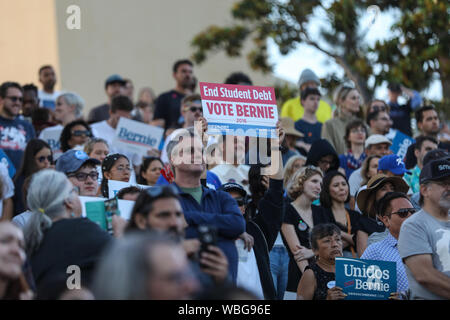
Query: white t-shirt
[8,186]
[248,272]
[48,100]
[103,130]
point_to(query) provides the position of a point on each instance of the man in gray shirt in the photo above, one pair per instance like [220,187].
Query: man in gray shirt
[424,242]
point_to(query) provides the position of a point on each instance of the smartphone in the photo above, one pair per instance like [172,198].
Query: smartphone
[207,236]
[111,209]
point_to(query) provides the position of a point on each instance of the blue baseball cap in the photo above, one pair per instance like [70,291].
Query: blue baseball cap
[114,78]
[72,160]
[392,163]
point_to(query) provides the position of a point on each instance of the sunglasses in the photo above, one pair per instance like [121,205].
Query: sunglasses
[79,133]
[42,159]
[405,212]
[15,99]
[81,176]
[156,191]
[240,201]
[194,109]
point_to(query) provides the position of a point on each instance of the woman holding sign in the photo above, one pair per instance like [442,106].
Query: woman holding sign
[318,280]
[300,217]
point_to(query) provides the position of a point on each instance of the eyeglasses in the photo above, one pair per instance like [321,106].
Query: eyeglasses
[15,99]
[79,133]
[194,109]
[122,168]
[158,190]
[378,107]
[42,159]
[81,176]
[404,212]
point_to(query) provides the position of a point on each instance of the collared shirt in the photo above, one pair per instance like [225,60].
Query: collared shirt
[413,179]
[387,250]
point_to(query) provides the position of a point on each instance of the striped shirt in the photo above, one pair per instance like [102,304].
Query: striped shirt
[387,250]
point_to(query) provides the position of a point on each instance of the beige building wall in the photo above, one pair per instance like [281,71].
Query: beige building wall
[27,39]
[140,40]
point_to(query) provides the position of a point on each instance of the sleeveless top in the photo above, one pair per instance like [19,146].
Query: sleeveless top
[322,278]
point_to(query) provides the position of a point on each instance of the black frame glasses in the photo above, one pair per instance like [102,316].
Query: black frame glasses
[82,176]
[194,109]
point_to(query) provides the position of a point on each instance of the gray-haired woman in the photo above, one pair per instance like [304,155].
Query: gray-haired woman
[56,236]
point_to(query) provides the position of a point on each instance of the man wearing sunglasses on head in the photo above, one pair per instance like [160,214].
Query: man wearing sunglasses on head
[81,171]
[393,209]
[424,242]
[14,133]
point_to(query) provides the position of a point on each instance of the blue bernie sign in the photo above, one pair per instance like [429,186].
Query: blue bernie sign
[366,279]
[8,164]
[400,144]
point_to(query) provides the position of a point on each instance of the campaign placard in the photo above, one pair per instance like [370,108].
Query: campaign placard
[94,209]
[239,110]
[137,137]
[400,143]
[51,135]
[7,163]
[115,186]
[366,279]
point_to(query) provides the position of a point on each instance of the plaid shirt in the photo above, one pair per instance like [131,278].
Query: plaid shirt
[387,250]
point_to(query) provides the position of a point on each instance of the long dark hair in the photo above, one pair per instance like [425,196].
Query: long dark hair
[145,164]
[28,165]
[325,196]
[107,164]
[66,134]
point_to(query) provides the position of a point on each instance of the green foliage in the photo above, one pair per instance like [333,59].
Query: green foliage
[413,57]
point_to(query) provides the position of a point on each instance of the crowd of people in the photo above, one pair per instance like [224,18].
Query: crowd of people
[208,221]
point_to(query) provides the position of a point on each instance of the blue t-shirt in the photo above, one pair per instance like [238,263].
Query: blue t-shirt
[14,136]
[311,131]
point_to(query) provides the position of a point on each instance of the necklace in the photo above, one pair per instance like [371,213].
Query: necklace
[302,225]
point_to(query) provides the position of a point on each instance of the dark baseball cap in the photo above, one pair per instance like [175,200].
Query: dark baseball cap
[436,154]
[72,160]
[435,170]
[114,78]
[232,186]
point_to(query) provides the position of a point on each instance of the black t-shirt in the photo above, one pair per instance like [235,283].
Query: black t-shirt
[77,241]
[401,117]
[292,217]
[167,107]
[369,225]
[354,221]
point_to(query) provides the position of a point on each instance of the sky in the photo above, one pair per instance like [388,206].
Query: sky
[290,66]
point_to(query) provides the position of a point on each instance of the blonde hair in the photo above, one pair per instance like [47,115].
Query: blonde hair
[295,186]
[289,169]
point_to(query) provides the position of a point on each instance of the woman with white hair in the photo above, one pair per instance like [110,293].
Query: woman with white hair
[69,107]
[56,236]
